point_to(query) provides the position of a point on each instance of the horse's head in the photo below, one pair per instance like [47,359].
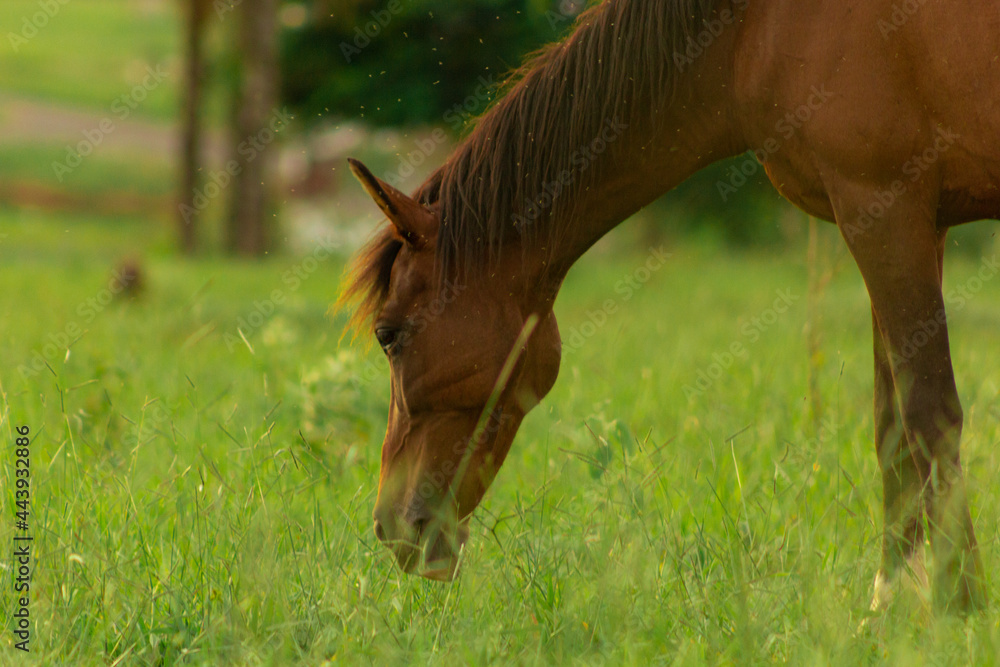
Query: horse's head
[470,353]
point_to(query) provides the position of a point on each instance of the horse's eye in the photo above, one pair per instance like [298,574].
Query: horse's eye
[387,339]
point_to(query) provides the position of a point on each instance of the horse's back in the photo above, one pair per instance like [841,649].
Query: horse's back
[871,87]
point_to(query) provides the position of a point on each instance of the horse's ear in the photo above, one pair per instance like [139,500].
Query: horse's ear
[414,223]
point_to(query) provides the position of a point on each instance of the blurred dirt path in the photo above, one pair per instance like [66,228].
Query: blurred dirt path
[24,120]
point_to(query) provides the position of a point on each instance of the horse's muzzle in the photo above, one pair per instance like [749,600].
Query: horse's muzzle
[423,546]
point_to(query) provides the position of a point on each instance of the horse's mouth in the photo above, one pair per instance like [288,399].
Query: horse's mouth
[437,560]
[445,573]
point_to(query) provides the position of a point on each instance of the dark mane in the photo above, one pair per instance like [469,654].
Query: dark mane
[616,65]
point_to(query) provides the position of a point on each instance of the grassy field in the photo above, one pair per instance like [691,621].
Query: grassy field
[198,498]
[51,48]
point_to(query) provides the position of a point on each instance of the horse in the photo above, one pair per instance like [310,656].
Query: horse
[880,116]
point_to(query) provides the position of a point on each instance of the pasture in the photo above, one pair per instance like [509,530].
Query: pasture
[205,461]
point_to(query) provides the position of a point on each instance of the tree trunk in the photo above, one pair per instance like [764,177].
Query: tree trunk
[187,219]
[255,123]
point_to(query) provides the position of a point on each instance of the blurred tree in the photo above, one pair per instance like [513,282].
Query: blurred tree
[406,62]
[255,121]
[191,161]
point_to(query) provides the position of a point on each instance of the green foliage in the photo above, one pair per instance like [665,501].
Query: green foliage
[407,62]
[733,202]
[202,499]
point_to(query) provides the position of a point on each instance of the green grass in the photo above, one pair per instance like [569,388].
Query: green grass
[199,502]
[106,43]
[98,174]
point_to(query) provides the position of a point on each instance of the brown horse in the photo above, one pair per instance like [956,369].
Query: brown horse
[882,116]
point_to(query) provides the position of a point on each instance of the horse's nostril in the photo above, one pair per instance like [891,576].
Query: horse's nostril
[379,531]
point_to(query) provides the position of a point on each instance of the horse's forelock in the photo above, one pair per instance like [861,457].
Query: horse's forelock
[366,280]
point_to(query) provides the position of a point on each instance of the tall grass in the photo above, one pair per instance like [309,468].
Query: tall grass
[203,486]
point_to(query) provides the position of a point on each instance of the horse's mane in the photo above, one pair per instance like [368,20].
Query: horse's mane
[617,65]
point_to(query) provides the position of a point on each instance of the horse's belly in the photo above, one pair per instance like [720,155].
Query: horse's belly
[970,179]
[797,187]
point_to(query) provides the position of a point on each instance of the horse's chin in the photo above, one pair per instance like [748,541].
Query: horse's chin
[436,569]
[443,574]
[437,561]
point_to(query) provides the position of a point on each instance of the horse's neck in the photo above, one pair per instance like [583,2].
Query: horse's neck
[642,164]
[644,147]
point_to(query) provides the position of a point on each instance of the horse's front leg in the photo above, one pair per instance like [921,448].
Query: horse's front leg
[902,484]
[898,255]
